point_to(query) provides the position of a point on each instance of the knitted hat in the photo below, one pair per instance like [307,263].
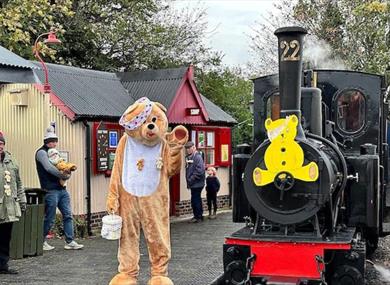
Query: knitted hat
[50,135]
[2,139]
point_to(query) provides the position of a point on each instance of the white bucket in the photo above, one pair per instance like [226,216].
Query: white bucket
[112,225]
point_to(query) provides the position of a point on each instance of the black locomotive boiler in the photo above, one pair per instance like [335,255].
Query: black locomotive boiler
[312,190]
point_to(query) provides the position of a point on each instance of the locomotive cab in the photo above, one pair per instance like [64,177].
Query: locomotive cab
[315,184]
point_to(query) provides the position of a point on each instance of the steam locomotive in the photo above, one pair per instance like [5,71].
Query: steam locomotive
[312,191]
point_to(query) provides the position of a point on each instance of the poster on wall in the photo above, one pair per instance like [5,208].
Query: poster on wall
[201,139]
[111,159]
[102,148]
[113,141]
[224,152]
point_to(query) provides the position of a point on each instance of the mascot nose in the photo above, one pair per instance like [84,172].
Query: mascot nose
[151,126]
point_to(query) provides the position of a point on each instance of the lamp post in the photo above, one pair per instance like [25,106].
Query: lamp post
[51,40]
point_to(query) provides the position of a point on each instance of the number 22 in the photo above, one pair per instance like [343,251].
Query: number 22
[286,46]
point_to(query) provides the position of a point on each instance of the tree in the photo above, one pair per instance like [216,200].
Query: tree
[346,33]
[109,35]
[22,21]
[264,44]
[356,30]
[228,89]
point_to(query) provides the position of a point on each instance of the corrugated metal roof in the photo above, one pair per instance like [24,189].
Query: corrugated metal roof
[11,74]
[159,85]
[8,58]
[216,114]
[88,93]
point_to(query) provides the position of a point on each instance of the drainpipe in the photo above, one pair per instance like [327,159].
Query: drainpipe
[88,167]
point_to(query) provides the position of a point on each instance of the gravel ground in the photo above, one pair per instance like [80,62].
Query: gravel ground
[381,258]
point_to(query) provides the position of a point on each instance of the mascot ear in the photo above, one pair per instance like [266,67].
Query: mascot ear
[160,106]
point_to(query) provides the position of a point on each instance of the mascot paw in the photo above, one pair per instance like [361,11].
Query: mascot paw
[123,279]
[179,135]
[160,280]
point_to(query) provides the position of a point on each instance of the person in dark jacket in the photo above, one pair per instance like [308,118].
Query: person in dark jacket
[57,195]
[12,203]
[212,188]
[195,176]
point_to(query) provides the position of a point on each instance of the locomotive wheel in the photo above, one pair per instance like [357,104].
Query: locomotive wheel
[347,275]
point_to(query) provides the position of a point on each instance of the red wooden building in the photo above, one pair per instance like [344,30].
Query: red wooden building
[209,125]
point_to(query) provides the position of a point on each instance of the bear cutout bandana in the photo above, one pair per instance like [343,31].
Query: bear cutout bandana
[136,180]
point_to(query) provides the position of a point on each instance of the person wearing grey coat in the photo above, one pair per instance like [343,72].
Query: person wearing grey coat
[195,176]
[12,203]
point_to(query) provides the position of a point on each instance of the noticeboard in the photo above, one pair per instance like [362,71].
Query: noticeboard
[102,149]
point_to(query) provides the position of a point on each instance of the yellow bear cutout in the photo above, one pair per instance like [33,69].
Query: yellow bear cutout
[284,154]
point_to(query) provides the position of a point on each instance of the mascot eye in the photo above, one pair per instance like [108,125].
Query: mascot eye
[154,119]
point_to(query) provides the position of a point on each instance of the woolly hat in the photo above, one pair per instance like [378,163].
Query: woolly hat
[2,139]
[50,135]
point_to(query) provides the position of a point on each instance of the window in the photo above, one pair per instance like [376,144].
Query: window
[214,144]
[273,106]
[205,143]
[351,110]
[210,139]
[206,146]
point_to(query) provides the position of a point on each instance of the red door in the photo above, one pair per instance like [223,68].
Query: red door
[174,190]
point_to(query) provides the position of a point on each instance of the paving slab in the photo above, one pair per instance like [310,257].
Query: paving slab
[196,258]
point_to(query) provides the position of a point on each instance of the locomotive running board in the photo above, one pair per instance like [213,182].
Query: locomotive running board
[290,260]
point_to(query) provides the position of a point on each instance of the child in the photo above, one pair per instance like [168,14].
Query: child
[212,188]
[60,163]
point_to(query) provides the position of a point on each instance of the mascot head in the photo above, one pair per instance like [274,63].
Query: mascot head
[145,121]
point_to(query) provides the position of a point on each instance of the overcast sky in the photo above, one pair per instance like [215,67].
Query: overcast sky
[233,21]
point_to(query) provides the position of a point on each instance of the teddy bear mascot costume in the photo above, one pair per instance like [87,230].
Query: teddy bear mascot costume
[146,157]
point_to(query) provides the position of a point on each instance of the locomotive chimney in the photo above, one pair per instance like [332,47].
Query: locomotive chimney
[290,70]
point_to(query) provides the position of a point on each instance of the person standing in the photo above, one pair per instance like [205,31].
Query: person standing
[195,176]
[212,188]
[12,203]
[57,195]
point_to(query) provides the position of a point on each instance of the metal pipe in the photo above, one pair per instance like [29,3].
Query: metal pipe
[88,170]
